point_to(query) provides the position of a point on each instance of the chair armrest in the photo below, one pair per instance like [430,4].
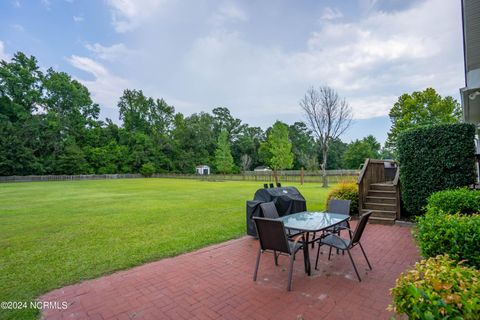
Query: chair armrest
[296,239]
[350,231]
[340,238]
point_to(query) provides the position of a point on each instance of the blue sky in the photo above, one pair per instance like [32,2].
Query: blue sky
[258,58]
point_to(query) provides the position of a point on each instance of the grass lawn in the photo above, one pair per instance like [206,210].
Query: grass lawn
[57,233]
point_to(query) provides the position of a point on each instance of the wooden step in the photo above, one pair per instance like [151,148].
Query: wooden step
[376,199]
[379,220]
[382,186]
[379,206]
[382,213]
[381,193]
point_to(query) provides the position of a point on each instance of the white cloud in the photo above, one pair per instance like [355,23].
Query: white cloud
[79,18]
[228,12]
[106,88]
[112,53]
[129,14]
[370,62]
[3,54]
[331,14]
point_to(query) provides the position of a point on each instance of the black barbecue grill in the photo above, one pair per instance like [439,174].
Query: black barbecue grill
[288,200]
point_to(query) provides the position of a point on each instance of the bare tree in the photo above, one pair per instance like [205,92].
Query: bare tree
[328,116]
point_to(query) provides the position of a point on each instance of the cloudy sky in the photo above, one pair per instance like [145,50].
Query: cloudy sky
[257,58]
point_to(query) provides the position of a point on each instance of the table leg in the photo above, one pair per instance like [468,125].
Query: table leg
[306,257]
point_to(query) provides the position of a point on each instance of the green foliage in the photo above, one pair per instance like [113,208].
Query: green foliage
[455,234]
[336,149]
[419,109]
[435,158]
[438,288]
[359,150]
[303,145]
[223,155]
[147,169]
[144,114]
[277,149]
[462,200]
[346,191]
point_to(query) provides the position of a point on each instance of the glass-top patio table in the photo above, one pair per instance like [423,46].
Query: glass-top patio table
[307,222]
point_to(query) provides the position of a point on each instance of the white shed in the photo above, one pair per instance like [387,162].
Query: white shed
[202,169]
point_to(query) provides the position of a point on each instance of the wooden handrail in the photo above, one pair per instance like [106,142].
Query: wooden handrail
[397,176]
[364,169]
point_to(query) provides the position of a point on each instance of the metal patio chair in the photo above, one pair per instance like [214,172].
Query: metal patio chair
[270,211]
[341,207]
[338,206]
[272,238]
[335,241]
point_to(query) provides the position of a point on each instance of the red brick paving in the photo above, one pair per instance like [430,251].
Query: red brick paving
[216,283]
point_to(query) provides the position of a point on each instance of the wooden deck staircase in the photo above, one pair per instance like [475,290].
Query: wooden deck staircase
[379,191]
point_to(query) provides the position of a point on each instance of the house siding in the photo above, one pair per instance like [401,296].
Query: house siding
[471,15]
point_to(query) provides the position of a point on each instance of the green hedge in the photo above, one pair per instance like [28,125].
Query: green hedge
[454,234]
[346,191]
[462,200]
[434,158]
[438,288]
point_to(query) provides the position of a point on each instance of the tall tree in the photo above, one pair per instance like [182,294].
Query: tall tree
[145,114]
[303,145]
[418,109]
[224,121]
[328,116]
[359,150]
[193,141]
[248,143]
[277,149]
[223,154]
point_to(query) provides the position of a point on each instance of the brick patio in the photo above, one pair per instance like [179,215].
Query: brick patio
[216,283]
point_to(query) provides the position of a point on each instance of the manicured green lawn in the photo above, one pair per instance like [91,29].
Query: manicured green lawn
[57,233]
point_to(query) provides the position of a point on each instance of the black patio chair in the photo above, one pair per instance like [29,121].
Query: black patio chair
[335,241]
[272,238]
[341,207]
[270,211]
[271,185]
[265,185]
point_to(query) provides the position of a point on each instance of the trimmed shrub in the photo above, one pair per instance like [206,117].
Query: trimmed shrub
[453,234]
[434,158]
[147,169]
[346,191]
[438,288]
[463,200]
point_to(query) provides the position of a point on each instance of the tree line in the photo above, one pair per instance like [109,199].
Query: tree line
[49,124]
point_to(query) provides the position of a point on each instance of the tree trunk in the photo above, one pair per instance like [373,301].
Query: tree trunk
[324,168]
[275,176]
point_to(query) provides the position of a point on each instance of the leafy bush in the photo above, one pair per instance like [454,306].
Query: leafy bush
[147,169]
[434,158]
[438,288]
[461,200]
[453,234]
[346,191]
